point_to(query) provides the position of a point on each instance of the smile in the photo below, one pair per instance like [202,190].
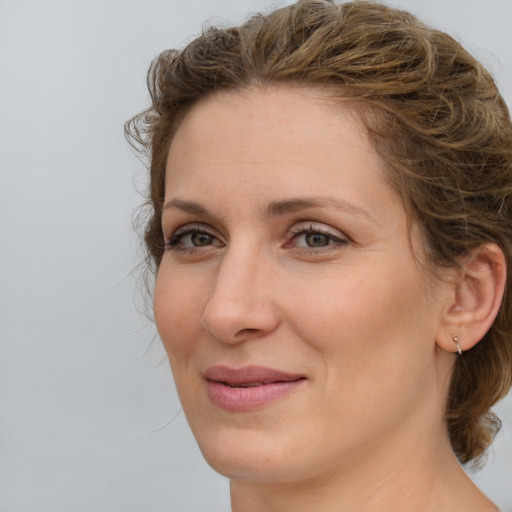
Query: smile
[248,388]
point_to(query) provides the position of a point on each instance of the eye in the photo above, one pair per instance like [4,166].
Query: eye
[196,239]
[315,238]
[192,237]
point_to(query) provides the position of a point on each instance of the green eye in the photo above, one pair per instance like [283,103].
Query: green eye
[192,237]
[201,239]
[317,239]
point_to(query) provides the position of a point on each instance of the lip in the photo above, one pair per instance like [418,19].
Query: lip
[250,387]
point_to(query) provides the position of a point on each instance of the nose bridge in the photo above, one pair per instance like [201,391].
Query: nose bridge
[239,305]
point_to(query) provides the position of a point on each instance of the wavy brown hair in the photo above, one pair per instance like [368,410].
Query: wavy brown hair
[432,112]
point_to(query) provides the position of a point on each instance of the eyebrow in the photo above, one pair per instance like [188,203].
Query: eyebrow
[279,207]
[276,208]
[187,206]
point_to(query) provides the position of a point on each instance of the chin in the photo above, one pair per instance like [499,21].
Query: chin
[254,456]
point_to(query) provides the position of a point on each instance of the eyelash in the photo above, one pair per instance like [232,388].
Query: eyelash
[173,244]
[189,230]
[334,241]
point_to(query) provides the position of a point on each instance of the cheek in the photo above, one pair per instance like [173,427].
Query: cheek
[374,341]
[367,320]
[177,306]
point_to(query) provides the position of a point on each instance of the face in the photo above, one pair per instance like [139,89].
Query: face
[297,320]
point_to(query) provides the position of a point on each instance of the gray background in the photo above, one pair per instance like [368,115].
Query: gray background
[89,418]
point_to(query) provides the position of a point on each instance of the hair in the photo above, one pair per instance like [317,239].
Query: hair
[432,112]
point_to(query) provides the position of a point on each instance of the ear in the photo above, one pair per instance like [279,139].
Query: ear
[476,298]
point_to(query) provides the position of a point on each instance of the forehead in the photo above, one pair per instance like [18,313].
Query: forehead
[276,129]
[240,151]
[282,105]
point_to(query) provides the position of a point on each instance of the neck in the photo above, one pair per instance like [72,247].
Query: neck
[430,480]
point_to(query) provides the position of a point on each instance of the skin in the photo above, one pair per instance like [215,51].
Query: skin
[357,314]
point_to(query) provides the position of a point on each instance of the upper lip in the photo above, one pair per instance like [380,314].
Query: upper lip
[249,374]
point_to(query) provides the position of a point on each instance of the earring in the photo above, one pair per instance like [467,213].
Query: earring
[456,341]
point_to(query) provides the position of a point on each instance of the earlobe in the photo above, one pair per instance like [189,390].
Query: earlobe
[476,300]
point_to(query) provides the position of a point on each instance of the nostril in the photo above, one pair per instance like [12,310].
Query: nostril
[238,321]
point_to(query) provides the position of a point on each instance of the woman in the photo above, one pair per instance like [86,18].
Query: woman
[331,234]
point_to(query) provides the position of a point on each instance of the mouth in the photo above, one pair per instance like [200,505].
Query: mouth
[250,387]
[249,376]
[246,384]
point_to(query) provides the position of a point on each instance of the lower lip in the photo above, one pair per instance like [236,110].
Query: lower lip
[248,399]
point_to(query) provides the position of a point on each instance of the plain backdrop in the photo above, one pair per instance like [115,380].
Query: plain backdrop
[89,418]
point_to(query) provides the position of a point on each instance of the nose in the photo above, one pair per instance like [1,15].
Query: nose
[240,306]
